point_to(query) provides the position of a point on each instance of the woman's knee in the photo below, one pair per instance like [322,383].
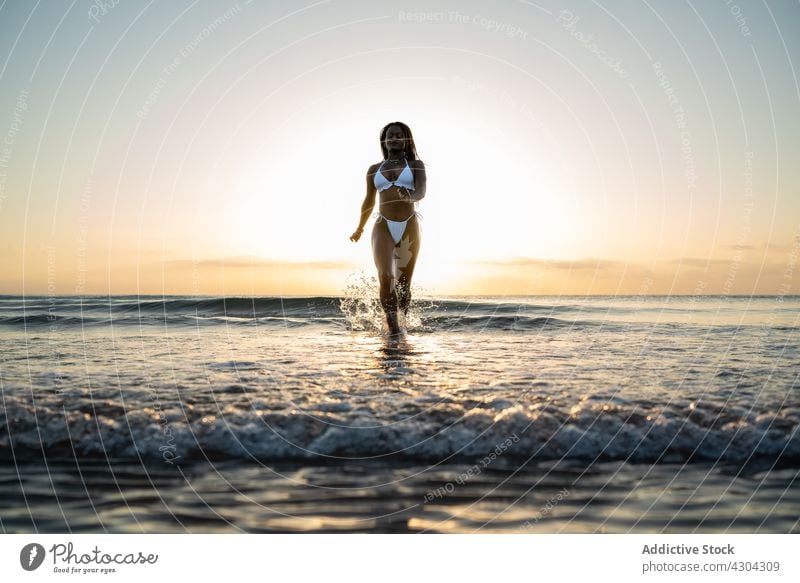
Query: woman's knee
[386,278]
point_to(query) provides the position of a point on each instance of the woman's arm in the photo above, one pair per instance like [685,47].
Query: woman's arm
[420,181]
[367,205]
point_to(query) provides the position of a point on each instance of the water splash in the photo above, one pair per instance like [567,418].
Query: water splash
[422,303]
[360,303]
[361,306]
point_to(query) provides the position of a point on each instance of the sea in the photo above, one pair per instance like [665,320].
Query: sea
[534,414]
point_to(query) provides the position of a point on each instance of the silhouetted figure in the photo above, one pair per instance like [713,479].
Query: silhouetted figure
[400,179]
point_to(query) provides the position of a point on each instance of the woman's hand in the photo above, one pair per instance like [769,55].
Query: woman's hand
[356,235]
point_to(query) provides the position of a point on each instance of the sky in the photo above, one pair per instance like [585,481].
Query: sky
[198,147]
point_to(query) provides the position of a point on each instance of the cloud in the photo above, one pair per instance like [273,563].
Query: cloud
[585,264]
[682,275]
[251,262]
[696,262]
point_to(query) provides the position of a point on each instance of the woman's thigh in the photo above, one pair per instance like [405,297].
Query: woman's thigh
[382,249]
[408,250]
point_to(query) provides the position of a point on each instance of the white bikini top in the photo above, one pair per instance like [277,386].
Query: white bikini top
[406,179]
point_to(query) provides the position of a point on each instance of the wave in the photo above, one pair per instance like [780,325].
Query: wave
[428,324]
[493,322]
[360,310]
[41,319]
[592,430]
[454,315]
[214,306]
[123,310]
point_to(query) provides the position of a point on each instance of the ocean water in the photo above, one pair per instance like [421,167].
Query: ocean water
[492,414]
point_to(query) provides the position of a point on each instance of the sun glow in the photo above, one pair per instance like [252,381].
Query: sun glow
[489,196]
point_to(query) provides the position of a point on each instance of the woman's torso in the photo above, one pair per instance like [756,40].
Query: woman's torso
[391,206]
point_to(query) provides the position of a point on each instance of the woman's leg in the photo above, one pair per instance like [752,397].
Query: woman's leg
[383,254]
[407,254]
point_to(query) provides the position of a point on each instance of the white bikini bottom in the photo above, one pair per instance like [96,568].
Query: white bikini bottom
[397,228]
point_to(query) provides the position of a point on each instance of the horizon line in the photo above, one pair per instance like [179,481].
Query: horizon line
[688,295]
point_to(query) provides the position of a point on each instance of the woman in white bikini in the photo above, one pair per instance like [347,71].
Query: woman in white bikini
[401,181]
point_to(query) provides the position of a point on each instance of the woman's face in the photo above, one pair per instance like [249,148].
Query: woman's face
[395,139]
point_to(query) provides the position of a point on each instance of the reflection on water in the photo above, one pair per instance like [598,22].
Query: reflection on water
[396,355]
[555,497]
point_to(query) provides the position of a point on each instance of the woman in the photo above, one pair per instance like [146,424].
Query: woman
[400,179]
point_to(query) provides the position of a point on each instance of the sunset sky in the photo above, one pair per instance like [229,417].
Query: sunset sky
[572,147]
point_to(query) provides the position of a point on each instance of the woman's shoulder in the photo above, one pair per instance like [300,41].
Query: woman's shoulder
[416,164]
